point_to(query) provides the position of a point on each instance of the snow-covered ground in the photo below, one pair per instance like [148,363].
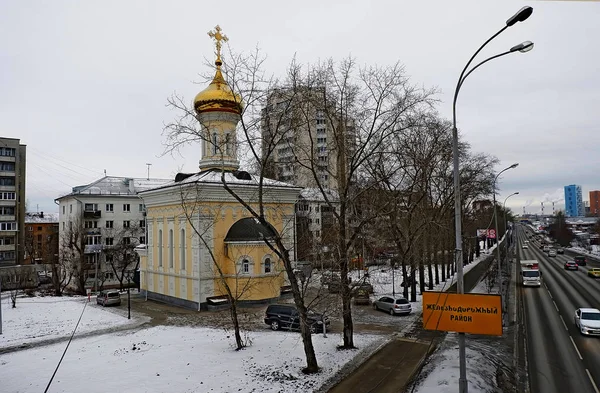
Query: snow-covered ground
[176,359]
[595,252]
[45,318]
[483,356]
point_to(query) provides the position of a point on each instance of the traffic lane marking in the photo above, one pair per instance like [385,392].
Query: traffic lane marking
[592,381]
[575,346]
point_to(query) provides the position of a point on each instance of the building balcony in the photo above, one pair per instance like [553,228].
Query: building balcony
[8,202]
[92,231]
[7,173]
[8,247]
[92,214]
[8,188]
[8,218]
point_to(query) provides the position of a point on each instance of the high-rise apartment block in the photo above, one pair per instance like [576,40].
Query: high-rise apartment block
[574,201]
[595,203]
[12,201]
[304,139]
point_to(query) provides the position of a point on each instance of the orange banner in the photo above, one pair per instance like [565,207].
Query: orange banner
[463,313]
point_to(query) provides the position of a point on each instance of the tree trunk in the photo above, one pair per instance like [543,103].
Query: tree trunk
[413,283]
[422,268]
[442,257]
[236,324]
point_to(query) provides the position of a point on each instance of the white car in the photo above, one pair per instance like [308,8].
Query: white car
[587,321]
[525,246]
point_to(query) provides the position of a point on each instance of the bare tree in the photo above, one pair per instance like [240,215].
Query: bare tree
[72,255]
[120,257]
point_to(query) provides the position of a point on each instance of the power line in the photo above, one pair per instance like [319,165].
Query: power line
[40,168]
[65,351]
[66,162]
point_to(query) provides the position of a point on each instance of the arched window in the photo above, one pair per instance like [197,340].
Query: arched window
[227,143]
[182,256]
[160,248]
[268,267]
[215,143]
[245,266]
[170,248]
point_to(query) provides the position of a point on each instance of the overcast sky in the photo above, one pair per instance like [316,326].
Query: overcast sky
[84,84]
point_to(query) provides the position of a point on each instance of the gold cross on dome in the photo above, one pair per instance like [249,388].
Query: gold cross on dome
[218,37]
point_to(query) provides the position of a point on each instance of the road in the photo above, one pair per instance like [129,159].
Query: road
[559,358]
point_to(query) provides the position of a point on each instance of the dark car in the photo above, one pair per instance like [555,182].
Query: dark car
[560,250]
[580,260]
[285,316]
[571,265]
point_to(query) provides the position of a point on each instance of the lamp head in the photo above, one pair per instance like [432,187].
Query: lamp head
[514,165]
[516,193]
[523,47]
[520,16]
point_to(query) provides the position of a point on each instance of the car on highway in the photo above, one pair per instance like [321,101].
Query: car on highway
[581,260]
[552,253]
[571,265]
[525,246]
[594,272]
[560,250]
[587,321]
[394,305]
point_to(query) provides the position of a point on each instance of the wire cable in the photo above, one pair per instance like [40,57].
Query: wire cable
[67,347]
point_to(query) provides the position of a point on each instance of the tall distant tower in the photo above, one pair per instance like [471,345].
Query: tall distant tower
[574,201]
[218,110]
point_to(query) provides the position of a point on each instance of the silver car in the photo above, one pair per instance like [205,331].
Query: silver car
[552,253]
[108,298]
[393,305]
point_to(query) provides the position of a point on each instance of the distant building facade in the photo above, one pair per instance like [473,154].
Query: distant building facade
[103,220]
[41,238]
[13,157]
[595,203]
[574,201]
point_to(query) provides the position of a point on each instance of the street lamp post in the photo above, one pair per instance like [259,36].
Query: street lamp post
[128,276]
[508,239]
[499,266]
[520,16]
[504,209]
[97,254]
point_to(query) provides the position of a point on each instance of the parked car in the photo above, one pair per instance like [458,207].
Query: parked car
[362,285]
[581,260]
[327,277]
[393,305]
[594,272]
[552,253]
[109,298]
[587,321]
[560,250]
[286,316]
[361,297]
[571,265]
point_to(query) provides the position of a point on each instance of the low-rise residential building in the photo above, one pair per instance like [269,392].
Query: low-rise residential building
[41,238]
[99,226]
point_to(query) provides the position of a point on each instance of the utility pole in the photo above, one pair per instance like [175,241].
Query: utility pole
[148,165]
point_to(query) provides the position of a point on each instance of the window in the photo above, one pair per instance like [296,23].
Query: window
[70,209]
[317,233]
[108,275]
[39,238]
[214,141]
[39,228]
[245,266]
[93,240]
[110,224]
[141,207]
[8,195]
[142,239]
[64,209]
[318,221]
[109,258]
[90,207]
[142,223]
[29,228]
[182,251]
[160,248]
[7,166]
[90,224]
[267,265]
[126,240]
[110,207]
[227,142]
[7,151]
[126,224]
[170,248]
[64,225]
[109,241]
[317,208]
[126,207]
[8,226]
[71,226]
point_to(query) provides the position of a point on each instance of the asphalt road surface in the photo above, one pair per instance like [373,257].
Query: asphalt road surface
[559,358]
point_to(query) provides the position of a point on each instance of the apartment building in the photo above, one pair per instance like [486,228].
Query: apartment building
[303,138]
[41,238]
[574,201]
[595,203]
[12,201]
[105,220]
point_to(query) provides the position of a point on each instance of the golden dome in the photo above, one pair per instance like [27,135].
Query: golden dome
[218,96]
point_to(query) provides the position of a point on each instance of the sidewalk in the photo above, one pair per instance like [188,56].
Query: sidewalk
[390,369]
